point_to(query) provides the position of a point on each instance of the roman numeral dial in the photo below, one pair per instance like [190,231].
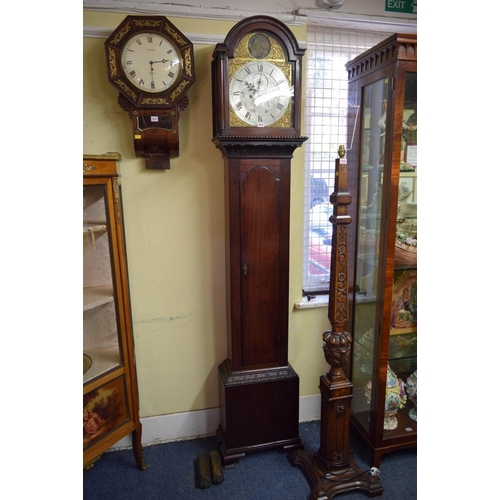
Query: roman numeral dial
[259,93]
[150,62]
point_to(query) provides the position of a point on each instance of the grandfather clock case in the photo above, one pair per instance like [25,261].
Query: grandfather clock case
[259,390]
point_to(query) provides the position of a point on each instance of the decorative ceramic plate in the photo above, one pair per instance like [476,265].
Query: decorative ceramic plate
[87,363]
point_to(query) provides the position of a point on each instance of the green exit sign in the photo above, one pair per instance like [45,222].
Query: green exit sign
[403,6]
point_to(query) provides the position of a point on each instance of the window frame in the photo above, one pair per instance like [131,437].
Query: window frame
[326,109]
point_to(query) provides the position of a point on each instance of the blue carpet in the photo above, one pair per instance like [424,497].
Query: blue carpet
[258,476]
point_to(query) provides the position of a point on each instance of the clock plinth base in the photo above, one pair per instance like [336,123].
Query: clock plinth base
[260,411]
[325,484]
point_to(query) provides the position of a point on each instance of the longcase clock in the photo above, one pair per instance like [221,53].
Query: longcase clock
[257,90]
[151,63]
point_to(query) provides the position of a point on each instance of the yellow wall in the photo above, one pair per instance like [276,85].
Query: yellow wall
[174,223]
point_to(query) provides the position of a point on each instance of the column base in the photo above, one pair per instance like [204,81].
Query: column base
[326,484]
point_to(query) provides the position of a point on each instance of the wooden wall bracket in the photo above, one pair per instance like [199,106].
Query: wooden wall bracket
[155,132]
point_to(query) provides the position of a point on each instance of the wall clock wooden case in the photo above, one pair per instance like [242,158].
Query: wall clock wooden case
[257,91]
[151,63]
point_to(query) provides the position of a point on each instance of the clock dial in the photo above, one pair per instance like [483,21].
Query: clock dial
[151,62]
[259,93]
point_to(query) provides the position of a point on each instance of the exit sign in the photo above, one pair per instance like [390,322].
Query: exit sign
[403,6]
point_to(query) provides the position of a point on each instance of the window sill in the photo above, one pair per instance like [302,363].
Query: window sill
[318,301]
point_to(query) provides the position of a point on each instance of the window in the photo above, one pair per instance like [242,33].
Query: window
[328,50]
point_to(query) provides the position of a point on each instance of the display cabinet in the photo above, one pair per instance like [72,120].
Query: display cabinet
[383,263]
[110,397]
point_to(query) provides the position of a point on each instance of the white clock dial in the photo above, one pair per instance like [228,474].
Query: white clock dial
[150,62]
[259,93]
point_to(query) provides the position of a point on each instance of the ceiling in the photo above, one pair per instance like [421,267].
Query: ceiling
[347,13]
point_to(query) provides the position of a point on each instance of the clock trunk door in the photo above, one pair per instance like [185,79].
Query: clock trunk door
[264,231]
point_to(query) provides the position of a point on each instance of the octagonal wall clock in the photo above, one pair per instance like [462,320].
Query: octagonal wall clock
[151,63]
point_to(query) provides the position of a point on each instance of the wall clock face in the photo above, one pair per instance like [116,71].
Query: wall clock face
[150,62]
[260,93]
[260,84]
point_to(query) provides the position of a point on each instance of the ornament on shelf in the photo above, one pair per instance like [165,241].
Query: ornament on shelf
[411,391]
[395,398]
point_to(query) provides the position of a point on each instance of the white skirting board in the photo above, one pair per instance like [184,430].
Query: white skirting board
[202,423]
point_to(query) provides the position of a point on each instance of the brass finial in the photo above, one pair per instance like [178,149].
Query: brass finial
[341,151]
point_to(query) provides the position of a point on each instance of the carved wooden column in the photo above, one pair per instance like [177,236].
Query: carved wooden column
[331,470]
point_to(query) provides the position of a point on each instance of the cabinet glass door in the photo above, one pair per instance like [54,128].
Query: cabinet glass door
[373,121]
[101,346]
[402,355]
[385,348]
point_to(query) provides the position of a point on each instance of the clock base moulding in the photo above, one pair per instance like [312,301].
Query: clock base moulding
[260,410]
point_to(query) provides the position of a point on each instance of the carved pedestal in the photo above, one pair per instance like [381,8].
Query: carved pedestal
[331,470]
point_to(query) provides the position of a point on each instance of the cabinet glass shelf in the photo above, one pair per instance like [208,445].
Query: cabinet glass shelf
[97,296]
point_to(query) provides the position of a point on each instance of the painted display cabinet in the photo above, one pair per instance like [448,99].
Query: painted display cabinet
[110,396]
[383,263]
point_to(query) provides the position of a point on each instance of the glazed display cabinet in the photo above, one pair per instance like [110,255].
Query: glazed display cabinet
[383,263]
[110,397]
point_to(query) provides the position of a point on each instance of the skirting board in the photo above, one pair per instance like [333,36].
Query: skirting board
[201,423]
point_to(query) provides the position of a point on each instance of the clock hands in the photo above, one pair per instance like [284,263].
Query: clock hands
[261,90]
[175,62]
[152,70]
[250,86]
[161,61]
[261,81]
[152,77]
[258,84]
